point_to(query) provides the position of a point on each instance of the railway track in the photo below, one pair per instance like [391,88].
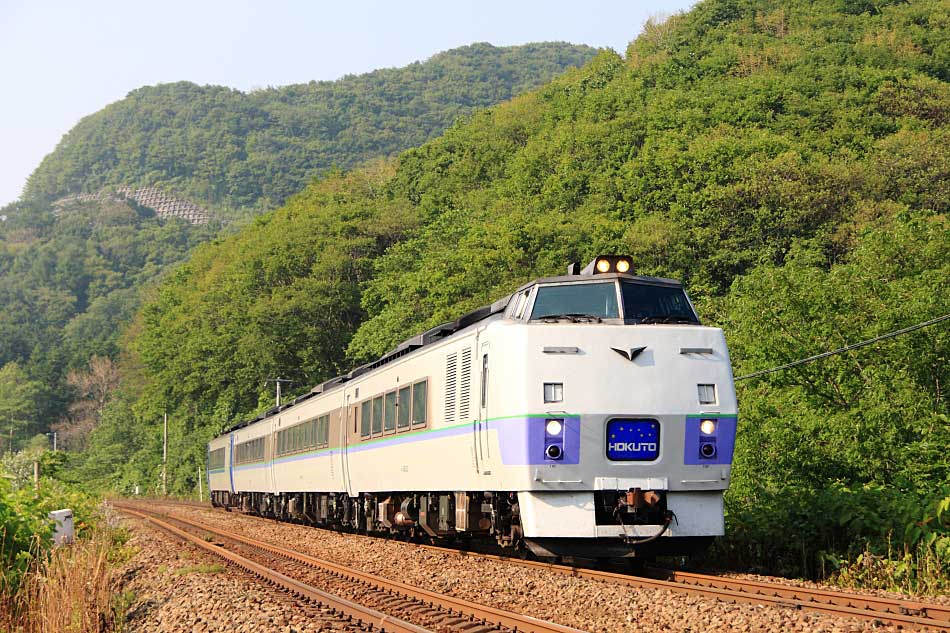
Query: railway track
[397,606]
[904,613]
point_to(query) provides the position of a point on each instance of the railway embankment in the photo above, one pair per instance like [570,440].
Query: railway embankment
[575,601]
[169,586]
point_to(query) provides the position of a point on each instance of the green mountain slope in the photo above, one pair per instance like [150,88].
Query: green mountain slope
[233,149]
[772,154]
[70,282]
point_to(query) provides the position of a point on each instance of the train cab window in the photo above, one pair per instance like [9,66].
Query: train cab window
[404,407]
[389,412]
[419,403]
[365,418]
[572,301]
[645,303]
[377,415]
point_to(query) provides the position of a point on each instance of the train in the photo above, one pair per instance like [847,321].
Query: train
[585,415]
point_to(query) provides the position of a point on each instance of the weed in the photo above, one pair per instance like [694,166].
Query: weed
[213,568]
[121,603]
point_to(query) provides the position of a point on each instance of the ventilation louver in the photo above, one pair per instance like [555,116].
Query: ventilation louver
[451,385]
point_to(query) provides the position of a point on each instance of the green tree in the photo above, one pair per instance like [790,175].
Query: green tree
[18,406]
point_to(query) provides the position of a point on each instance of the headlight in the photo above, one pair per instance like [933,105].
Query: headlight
[708,427]
[603,265]
[553,427]
[623,265]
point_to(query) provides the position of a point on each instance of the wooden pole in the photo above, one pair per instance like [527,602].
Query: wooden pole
[165,457]
[201,496]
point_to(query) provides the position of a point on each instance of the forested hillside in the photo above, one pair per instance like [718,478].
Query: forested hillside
[72,273]
[237,150]
[788,160]
[68,283]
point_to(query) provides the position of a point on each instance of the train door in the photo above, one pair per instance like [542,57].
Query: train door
[231,461]
[483,423]
[270,453]
[347,418]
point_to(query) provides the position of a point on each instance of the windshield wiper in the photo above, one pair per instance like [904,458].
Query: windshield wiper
[665,319]
[573,317]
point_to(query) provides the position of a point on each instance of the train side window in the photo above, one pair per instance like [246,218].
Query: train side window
[377,415]
[389,412]
[404,407]
[419,403]
[365,417]
[522,303]
[216,459]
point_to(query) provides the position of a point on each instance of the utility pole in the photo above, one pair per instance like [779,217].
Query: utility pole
[201,495]
[279,380]
[165,457]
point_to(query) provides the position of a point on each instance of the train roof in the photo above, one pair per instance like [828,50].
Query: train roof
[440,332]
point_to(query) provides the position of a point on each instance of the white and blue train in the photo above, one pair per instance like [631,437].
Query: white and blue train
[584,415]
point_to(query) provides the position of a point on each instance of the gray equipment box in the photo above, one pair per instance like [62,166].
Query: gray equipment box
[64,526]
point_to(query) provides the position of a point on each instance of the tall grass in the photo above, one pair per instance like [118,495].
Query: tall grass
[919,570]
[66,590]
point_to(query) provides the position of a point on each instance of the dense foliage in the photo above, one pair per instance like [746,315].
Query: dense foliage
[852,449]
[67,285]
[235,149]
[787,160]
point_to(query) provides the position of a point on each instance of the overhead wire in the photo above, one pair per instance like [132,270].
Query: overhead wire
[846,348]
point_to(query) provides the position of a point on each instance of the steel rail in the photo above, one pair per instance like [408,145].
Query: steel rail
[913,614]
[490,615]
[908,614]
[371,617]
[929,610]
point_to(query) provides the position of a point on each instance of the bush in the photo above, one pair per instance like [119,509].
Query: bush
[25,528]
[857,537]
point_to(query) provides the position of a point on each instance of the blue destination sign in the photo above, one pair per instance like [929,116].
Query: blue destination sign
[633,440]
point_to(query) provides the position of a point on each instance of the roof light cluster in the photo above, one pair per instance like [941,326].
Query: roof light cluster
[606,264]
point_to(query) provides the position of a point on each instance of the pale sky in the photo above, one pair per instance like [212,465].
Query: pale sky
[62,59]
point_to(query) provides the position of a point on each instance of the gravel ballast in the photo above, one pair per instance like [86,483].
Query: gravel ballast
[168,586]
[581,603]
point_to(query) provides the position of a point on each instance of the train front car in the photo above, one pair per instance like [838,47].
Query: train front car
[614,412]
